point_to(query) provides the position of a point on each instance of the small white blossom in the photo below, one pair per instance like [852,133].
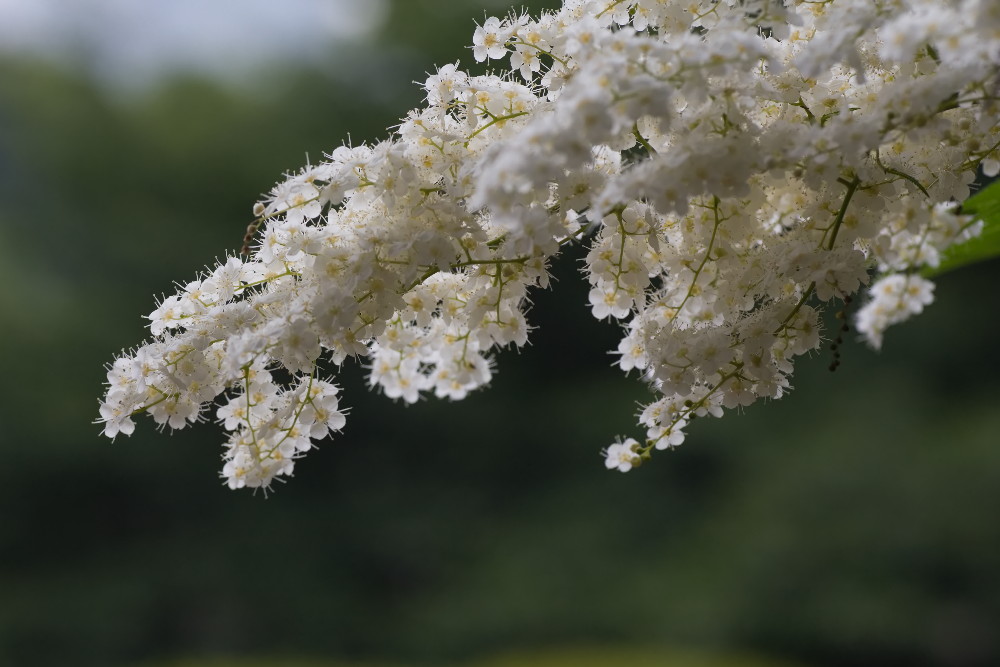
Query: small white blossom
[489,40]
[622,455]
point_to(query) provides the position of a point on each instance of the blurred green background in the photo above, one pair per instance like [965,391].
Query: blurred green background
[851,523]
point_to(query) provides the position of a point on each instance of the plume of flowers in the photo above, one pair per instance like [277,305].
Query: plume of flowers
[731,166]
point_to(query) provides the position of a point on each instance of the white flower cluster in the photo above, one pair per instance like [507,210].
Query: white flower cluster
[732,164]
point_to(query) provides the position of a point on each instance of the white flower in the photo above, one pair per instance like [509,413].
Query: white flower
[489,40]
[117,419]
[622,455]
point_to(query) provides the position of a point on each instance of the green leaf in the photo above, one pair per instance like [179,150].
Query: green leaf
[985,205]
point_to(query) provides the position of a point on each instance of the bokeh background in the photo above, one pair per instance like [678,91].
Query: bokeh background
[852,523]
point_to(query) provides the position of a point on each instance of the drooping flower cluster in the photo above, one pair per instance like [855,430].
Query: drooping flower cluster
[732,166]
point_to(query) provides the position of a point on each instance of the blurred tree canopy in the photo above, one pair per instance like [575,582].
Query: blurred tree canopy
[851,523]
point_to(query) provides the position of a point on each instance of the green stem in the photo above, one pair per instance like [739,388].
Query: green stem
[642,140]
[852,187]
[497,119]
[797,308]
